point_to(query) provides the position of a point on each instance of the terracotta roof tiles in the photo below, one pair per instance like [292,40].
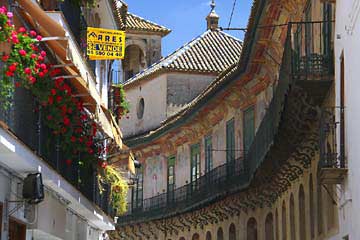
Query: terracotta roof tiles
[212,52]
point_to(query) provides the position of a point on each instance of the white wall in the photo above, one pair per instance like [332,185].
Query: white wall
[347,39]
[154,94]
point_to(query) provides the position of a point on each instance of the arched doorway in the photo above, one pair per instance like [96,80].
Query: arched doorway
[251,229]
[134,61]
[269,227]
[302,213]
[232,232]
[208,235]
[220,234]
[196,236]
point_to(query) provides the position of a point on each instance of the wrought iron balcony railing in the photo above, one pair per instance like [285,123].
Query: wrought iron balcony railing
[298,65]
[24,119]
[331,154]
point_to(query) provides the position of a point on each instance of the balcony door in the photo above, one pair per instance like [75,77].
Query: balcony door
[230,147]
[195,165]
[171,179]
[137,191]
[248,128]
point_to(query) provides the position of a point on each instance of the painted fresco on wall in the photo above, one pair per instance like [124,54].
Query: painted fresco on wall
[154,169]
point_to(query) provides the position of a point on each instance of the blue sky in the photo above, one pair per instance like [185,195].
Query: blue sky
[186,18]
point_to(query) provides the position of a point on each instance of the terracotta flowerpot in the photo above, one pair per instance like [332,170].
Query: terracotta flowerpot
[5,48]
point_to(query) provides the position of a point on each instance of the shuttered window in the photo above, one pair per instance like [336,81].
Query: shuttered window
[249,127]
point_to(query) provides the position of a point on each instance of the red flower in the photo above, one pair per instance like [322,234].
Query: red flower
[39,38]
[40,58]
[5,58]
[22,52]
[32,79]
[27,71]
[63,109]
[83,117]
[89,143]
[68,162]
[81,139]
[43,53]
[72,139]
[104,165]
[69,110]
[53,91]
[17,84]
[15,39]
[9,74]
[58,98]
[50,100]
[63,130]
[22,30]
[33,33]
[12,67]
[66,121]
[49,117]
[55,72]
[78,130]
[41,74]
[43,66]
[33,56]
[90,151]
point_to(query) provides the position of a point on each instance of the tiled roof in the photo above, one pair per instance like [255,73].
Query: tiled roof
[137,23]
[211,52]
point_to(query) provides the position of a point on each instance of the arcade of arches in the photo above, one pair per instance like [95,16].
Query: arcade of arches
[134,61]
[295,216]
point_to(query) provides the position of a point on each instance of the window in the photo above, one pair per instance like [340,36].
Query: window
[249,128]
[283,221]
[302,213]
[232,232]
[195,164]
[220,234]
[171,178]
[140,108]
[208,154]
[251,229]
[137,191]
[208,235]
[292,217]
[269,227]
[327,28]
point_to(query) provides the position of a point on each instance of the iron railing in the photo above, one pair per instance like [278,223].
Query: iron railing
[223,179]
[297,65]
[25,120]
[331,154]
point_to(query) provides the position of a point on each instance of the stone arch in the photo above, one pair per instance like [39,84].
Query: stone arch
[208,235]
[283,221]
[220,234]
[251,229]
[269,227]
[232,232]
[292,218]
[196,236]
[134,61]
[302,220]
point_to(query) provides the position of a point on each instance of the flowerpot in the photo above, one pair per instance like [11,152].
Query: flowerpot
[5,48]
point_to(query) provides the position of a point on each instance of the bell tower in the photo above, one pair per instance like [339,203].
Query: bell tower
[212,19]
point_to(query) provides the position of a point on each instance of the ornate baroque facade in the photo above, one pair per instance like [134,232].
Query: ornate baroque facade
[251,157]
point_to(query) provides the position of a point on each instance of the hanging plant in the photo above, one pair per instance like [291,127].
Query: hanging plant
[119,187]
[121,104]
[24,66]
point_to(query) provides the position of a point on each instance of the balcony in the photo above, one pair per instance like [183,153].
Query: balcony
[332,165]
[285,142]
[23,121]
[224,180]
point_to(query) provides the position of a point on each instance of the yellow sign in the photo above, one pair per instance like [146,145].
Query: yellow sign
[105,44]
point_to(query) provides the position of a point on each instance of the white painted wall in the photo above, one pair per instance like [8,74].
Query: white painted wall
[154,94]
[347,39]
